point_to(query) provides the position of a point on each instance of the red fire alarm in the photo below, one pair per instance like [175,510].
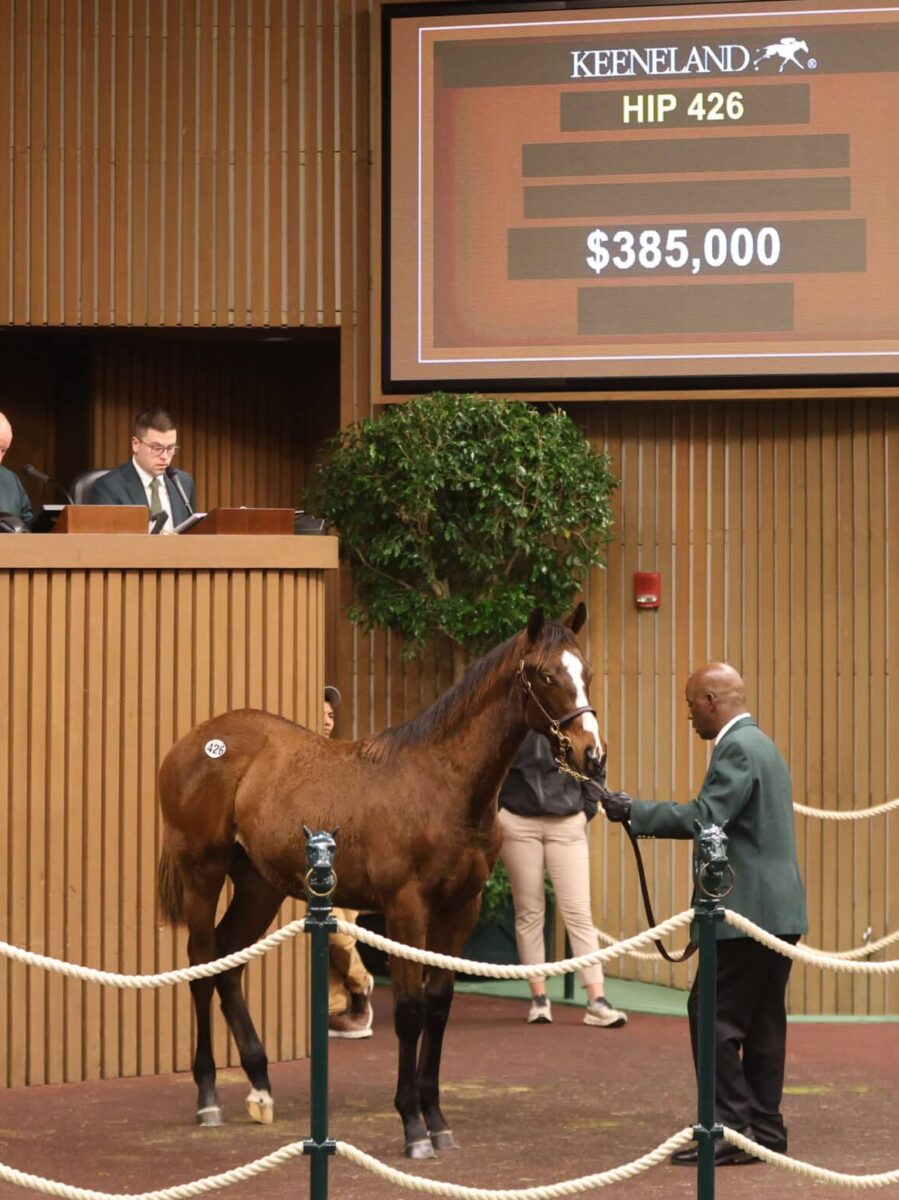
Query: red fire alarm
[647,589]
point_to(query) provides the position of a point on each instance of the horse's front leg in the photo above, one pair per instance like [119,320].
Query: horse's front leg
[408,926]
[446,935]
[438,1002]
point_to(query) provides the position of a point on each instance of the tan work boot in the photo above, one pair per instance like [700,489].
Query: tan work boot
[360,1004]
[348,1024]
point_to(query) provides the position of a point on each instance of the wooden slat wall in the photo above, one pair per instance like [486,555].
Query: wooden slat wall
[770,525]
[101,672]
[250,417]
[183,162]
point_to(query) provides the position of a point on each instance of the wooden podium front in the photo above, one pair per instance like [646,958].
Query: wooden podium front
[246,520]
[113,648]
[102,518]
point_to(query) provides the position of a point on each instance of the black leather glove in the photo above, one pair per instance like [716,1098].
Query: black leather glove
[617,805]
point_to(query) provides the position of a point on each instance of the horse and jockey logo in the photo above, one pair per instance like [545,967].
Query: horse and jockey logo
[787,50]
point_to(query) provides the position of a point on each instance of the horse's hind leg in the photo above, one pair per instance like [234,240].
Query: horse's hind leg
[251,911]
[200,898]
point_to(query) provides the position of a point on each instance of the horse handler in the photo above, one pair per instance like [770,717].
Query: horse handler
[746,789]
[350,986]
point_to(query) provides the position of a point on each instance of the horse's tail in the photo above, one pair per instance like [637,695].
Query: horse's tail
[170,885]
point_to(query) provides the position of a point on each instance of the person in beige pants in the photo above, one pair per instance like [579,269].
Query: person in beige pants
[349,983]
[544,814]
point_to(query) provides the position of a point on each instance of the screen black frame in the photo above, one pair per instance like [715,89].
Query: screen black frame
[559,386]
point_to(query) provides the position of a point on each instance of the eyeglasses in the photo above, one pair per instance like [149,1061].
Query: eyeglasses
[160,451]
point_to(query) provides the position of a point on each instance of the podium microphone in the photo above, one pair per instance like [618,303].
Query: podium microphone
[36,474]
[172,474]
[157,522]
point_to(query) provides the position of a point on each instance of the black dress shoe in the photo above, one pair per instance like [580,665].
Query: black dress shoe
[726,1155]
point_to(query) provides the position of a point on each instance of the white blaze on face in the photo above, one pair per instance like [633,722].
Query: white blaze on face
[575,669]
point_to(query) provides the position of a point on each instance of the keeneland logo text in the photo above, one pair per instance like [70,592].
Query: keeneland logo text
[624,62]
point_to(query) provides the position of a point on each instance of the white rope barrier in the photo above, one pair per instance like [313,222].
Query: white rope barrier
[570,1187]
[834,814]
[807,954]
[179,1191]
[137,982]
[642,955]
[183,1191]
[535,971]
[798,1167]
[436,1187]
[837,960]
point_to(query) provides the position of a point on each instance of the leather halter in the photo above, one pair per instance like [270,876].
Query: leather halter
[562,741]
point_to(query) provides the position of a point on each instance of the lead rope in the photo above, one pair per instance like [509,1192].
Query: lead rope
[691,947]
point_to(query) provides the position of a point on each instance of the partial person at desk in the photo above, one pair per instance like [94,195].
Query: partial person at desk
[13,497]
[149,478]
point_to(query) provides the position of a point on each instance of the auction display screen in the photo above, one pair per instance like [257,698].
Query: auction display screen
[648,191]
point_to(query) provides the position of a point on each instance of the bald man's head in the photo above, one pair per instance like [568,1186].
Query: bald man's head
[5,435]
[715,694]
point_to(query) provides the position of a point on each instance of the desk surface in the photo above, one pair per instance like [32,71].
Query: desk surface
[141,552]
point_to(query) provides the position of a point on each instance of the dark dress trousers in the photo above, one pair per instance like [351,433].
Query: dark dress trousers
[747,791]
[123,486]
[13,497]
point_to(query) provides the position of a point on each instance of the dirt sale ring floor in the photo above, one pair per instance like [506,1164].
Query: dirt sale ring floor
[529,1105]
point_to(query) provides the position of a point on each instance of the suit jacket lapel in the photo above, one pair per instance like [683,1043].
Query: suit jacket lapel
[134,487]
[179,512]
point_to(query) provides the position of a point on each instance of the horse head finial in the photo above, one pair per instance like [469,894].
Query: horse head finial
[321,847]
[712,873]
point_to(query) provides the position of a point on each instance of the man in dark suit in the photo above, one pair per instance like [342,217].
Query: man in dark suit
[13,497]
[149,478]
[747,791]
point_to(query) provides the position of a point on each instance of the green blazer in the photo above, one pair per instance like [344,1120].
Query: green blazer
[13,497]
[747,791]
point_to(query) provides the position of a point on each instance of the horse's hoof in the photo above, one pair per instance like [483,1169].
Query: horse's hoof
[443,1140]
[420,1149]
[260,1107]
[210,1117]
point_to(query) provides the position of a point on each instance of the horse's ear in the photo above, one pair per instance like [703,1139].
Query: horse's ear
[307,832]
[535,624]
[576,621]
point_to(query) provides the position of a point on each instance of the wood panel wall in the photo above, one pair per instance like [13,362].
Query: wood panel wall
[182,162]
[100,672]
[211,164]
[771,525]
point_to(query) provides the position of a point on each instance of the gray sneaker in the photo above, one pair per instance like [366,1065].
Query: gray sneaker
[600,1012]
[540,1012]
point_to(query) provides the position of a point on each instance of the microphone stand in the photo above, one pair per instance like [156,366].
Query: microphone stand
[172,474]
[36,474]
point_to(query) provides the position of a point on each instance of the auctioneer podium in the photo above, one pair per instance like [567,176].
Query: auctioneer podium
[112,648]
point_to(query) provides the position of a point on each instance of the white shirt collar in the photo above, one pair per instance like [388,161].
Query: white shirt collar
[724,728]
[145,477]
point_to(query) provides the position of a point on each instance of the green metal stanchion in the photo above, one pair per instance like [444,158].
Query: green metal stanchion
[320,882]
[714,881]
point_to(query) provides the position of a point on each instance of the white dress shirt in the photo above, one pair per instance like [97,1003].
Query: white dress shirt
[164,499]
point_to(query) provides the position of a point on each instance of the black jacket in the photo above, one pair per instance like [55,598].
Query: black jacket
[535,787]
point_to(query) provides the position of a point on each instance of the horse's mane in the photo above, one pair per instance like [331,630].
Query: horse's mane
[465,696]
